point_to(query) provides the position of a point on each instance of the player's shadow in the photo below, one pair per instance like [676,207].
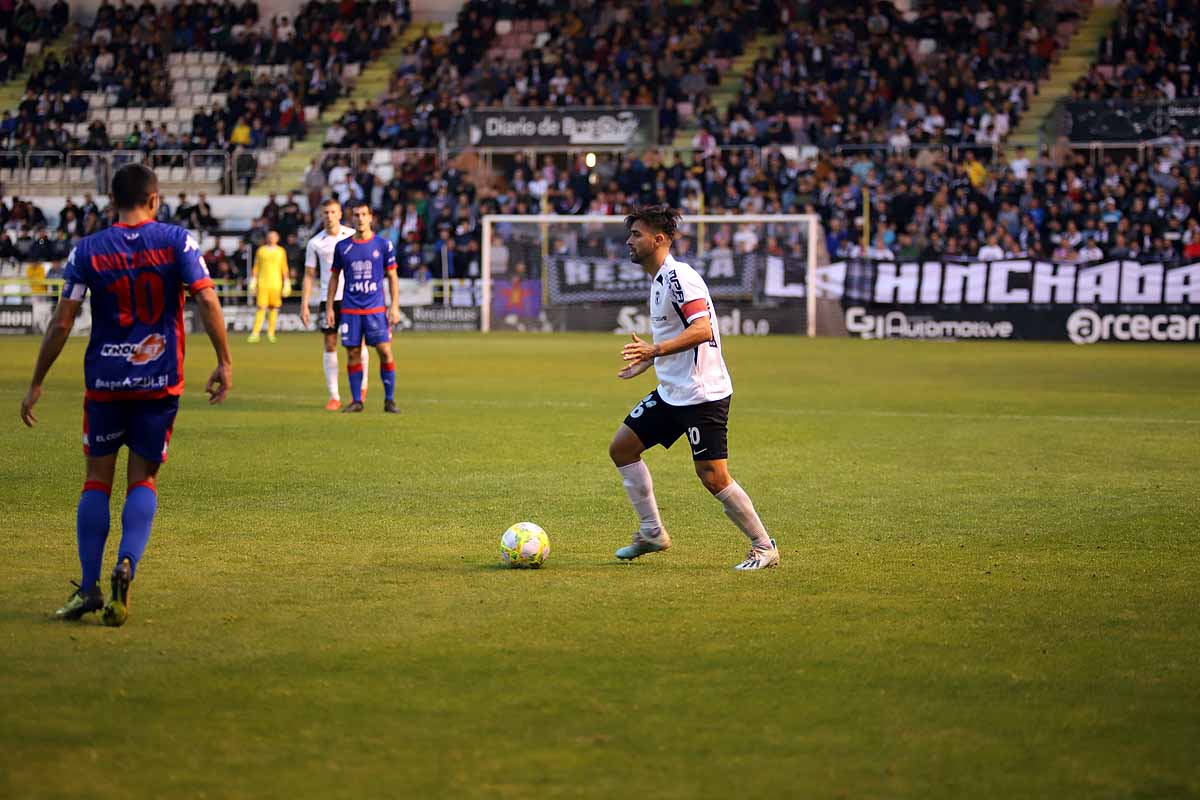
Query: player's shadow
[575,566]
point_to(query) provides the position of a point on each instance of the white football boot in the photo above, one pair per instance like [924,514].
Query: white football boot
[643,543]
[760,558]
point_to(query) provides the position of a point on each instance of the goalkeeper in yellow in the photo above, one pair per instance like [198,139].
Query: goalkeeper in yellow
[271,282]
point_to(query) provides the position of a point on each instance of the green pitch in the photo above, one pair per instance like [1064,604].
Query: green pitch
[988,589]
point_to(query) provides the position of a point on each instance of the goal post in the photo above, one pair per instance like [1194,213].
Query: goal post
[747,258]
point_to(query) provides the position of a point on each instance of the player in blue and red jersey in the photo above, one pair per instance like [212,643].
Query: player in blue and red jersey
[366,259]
[137,273]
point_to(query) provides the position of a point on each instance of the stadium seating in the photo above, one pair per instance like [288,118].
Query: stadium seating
[249,83]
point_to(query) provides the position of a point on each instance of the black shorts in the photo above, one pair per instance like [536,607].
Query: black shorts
[337,316]
[706,425]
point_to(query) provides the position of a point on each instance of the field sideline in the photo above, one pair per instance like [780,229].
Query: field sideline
[988,589]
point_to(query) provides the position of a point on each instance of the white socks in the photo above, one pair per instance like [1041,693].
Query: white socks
[365,358]
[635,478]
[331,375]
[739,509]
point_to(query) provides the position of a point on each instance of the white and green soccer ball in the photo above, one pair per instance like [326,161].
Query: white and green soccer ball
[525,545]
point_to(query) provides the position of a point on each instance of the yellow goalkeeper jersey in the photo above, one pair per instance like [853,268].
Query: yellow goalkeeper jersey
[270,267]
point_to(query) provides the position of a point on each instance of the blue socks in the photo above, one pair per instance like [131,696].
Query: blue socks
[136,518]
[387,374]
[356,376]
[91,530]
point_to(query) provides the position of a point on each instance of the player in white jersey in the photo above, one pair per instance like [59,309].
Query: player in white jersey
[319,255]
[692,398]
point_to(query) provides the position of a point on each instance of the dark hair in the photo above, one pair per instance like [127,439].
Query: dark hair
[660,219]
[132,186]
[362,204]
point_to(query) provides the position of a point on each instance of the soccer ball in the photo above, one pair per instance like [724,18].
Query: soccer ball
[525,545]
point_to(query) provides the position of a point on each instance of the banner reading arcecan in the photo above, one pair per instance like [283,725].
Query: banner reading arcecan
[563,127]
[1017,299]
[581,279]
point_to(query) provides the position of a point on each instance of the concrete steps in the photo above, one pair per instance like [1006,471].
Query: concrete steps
[731,83]
[288,172]
[13,90]
[1073,64]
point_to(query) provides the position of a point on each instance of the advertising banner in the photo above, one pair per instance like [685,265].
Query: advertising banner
[733,319]
[1017,299]
[631,127]
[1132,121]
[580,279]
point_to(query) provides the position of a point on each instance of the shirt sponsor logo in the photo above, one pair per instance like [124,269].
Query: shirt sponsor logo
[137,353]
[139,384]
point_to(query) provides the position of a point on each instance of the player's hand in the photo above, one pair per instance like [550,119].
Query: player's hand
[253,285]
[219,383]
[287,288]
[304,315]
[329,318]
[27,404]
[394,316]
[637,351]
[633,370]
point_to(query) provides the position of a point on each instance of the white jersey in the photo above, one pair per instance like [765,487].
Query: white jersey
[319,253]
[697,375]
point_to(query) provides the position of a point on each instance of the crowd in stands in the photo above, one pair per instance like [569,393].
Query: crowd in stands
[111,54]
[864,74]
[586,55]
[1151,53]
[24,23]
[843,74]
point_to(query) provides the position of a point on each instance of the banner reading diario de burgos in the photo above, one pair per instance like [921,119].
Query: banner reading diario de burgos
[1119,301]
[634,127]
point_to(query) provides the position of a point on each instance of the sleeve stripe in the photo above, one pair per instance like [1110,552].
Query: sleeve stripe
[200,285]
[698,315]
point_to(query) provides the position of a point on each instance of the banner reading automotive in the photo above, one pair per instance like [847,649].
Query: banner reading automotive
[635,126]
[1017,299]
[579,279]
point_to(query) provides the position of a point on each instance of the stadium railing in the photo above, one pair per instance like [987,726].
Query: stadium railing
[80,170]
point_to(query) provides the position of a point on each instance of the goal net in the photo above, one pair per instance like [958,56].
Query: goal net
[560,272]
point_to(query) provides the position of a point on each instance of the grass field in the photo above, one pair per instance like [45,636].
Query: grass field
[989,583]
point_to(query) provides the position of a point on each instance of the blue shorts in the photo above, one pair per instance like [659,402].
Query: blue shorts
[144,425]
[373,327]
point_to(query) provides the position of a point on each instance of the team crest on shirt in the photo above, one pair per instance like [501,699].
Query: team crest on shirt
[137,353]
[374,254]
[657,296]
